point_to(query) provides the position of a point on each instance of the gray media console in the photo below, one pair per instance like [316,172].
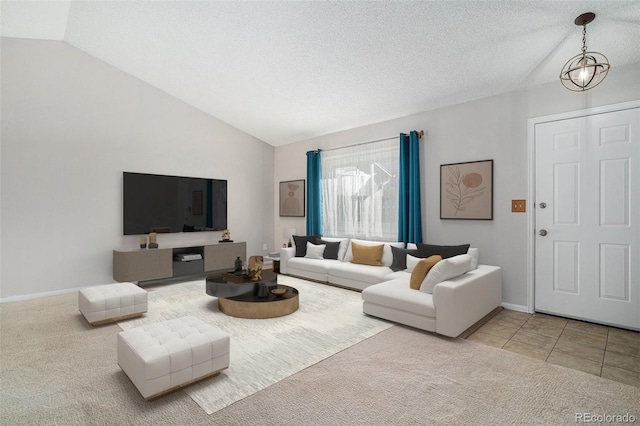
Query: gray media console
[162,263]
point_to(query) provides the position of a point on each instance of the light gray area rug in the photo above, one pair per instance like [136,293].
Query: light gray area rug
[265,351]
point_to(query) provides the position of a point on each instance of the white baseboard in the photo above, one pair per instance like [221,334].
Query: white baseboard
[37,295]
[519,308]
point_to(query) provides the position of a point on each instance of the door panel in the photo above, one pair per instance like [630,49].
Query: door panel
[587,263]
[566,266]
[614,192]
[566,183]
[614,276]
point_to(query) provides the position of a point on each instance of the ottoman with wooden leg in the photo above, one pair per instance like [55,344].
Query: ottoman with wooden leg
[169,355]
[104,304]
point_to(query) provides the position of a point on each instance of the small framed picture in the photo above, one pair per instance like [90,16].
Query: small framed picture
[292,198]
[466,190]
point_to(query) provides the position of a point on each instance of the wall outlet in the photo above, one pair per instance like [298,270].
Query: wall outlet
[518,206]
[264,246]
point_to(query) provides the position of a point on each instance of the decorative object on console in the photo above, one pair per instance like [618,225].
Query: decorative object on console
[238,265]
[226,237]
[255,267]
[466,190]
[292,198]
[153,240]
[287,236]
[587,69]
[143,242]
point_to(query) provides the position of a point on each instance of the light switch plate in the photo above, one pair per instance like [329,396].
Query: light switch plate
[518,206]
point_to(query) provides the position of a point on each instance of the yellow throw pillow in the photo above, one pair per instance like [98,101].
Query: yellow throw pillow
[367,255]
[421,270]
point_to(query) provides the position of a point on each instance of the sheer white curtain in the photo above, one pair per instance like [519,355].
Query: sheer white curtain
[360,191]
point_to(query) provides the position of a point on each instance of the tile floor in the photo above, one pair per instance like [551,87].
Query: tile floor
[604,351]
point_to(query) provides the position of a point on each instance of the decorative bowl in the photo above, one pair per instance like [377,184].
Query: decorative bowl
[278,291]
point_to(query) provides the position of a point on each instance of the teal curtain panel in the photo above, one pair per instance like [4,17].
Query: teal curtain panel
[409,213]
[314,193]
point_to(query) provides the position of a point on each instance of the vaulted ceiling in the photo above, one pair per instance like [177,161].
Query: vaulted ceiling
[286,71]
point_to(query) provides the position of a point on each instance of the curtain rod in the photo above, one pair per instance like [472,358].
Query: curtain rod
[420,134]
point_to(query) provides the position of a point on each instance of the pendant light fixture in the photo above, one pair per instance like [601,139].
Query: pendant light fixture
[587,69]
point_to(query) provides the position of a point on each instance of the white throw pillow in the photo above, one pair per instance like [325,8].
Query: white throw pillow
[412,261]
[315,251]
[473,252]
[445,270]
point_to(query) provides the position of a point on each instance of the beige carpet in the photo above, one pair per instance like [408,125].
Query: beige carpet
[56,369]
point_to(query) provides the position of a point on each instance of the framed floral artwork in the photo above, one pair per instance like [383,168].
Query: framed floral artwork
[292,198]
[466,190]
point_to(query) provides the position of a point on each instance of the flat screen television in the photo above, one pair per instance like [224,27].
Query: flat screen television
[160,203]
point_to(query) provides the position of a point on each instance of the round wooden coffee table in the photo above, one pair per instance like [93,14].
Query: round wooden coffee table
[240,297]
[255,307]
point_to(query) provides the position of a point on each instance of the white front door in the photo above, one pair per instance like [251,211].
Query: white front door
[587,190]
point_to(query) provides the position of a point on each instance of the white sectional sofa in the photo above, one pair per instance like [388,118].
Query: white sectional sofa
[339,271]
[449,308]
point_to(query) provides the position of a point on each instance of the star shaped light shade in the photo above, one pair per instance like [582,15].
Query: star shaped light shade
[587,69]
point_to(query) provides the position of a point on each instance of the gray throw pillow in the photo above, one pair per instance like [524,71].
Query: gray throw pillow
[426,250]
[400,258]
[331,251]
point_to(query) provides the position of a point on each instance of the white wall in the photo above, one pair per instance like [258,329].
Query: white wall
[492,128]
[71,125]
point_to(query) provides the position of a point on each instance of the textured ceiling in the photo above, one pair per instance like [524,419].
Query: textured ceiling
[289,71]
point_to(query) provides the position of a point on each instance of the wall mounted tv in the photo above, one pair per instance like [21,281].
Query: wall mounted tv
[159,203]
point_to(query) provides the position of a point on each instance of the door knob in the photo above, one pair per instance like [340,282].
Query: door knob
[543,205]
[542,232]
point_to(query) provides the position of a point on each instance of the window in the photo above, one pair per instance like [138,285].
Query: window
[360,191]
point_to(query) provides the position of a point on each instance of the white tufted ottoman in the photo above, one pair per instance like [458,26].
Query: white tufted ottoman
[165,356]
[113,302]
